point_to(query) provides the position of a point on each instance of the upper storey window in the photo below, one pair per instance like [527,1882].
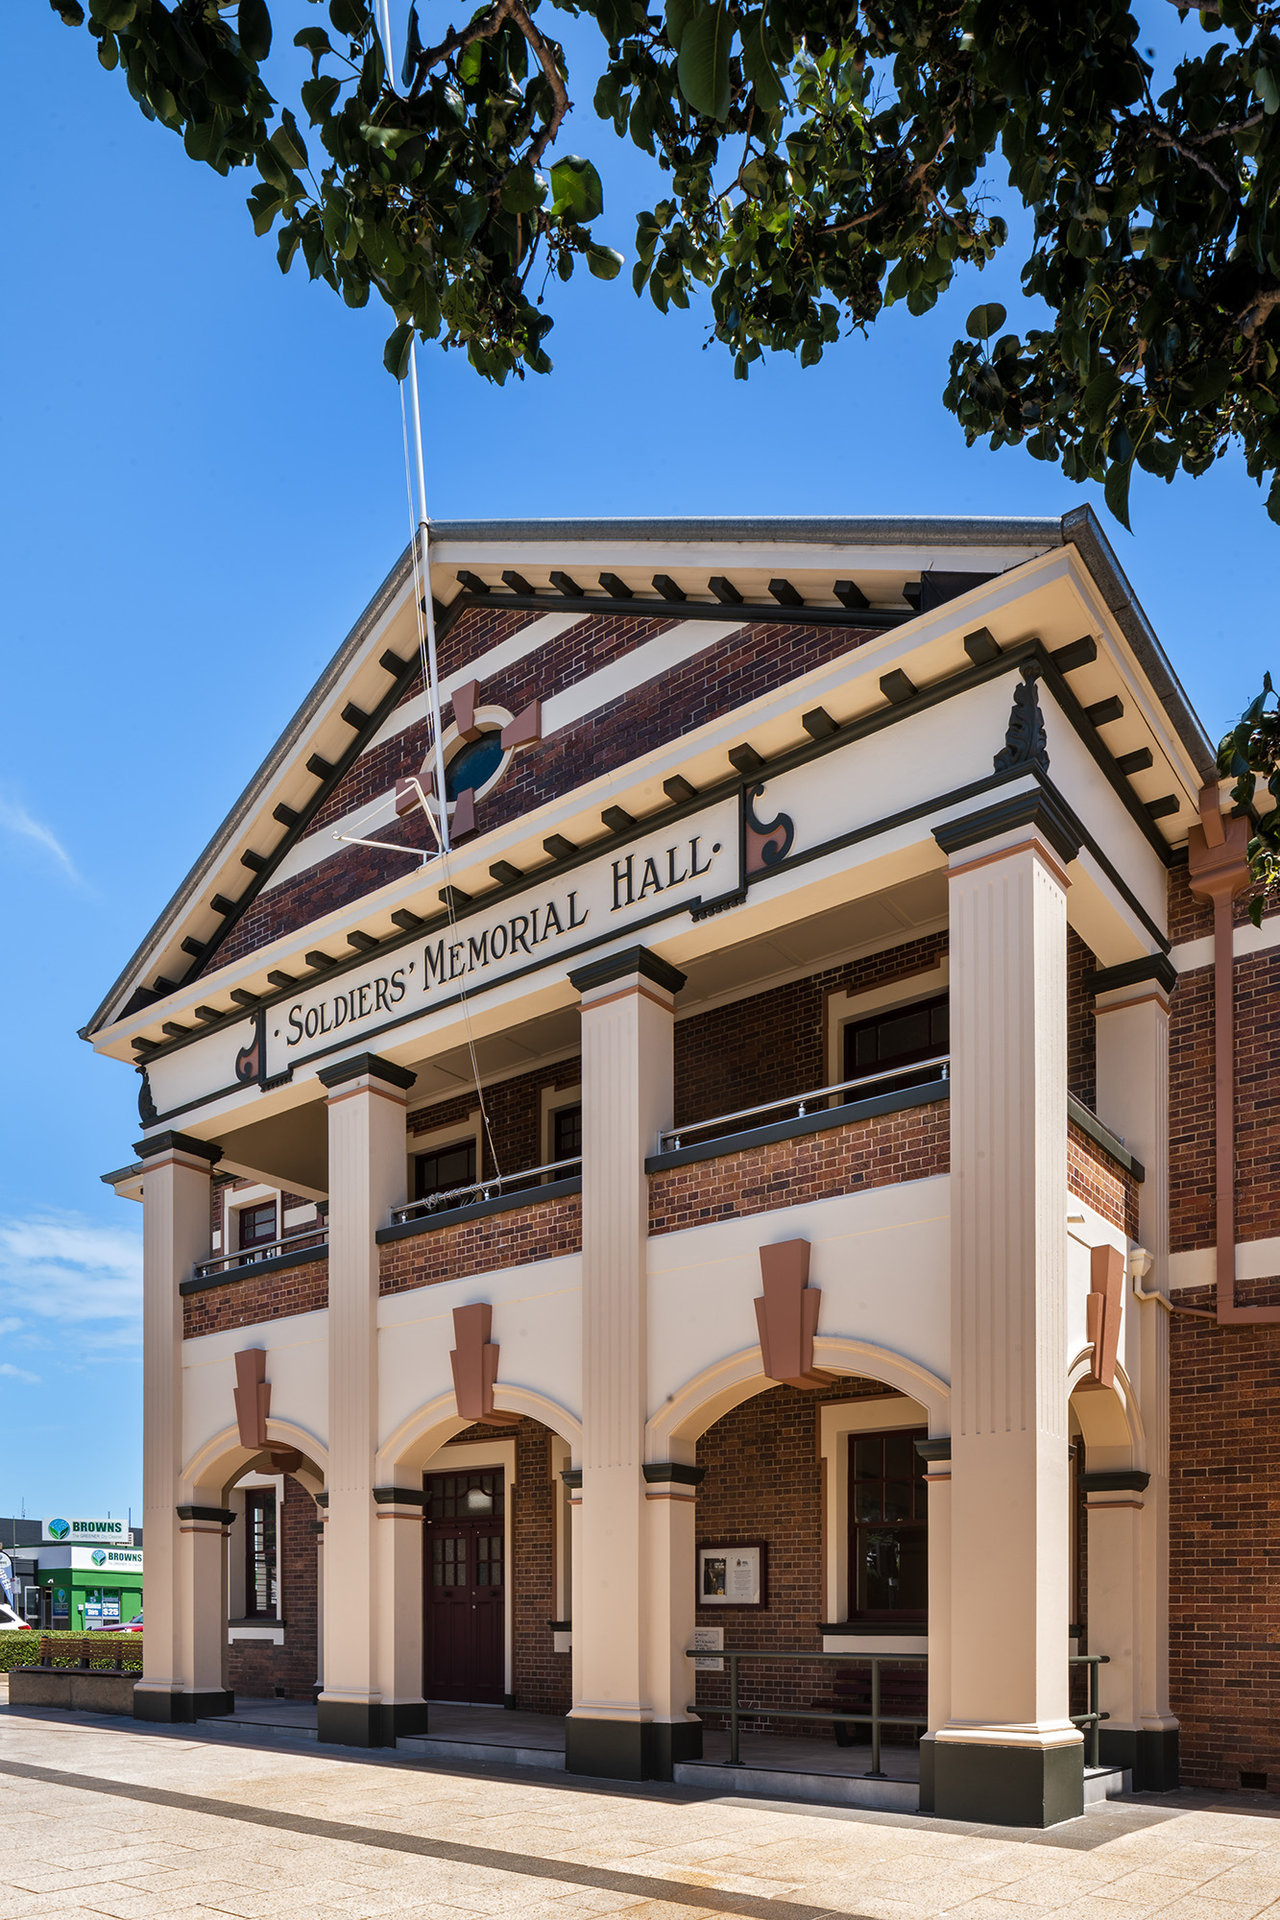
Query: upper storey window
[898,1038]
[444,1170]
[257,1225]
[474,765]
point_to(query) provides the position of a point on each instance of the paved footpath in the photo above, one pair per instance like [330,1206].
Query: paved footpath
[98,1817]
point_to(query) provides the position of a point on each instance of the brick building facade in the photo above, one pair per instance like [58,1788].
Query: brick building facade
[812,1131]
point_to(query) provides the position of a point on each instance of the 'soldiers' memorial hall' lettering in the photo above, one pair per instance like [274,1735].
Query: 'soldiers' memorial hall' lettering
[777,1185]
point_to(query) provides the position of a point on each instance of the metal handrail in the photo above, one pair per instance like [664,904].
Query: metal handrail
[669,1141]
[249,1256]
[485,1189]
[875,1719]
[1092,1719]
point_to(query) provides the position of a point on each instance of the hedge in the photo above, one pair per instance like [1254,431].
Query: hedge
[20,1649]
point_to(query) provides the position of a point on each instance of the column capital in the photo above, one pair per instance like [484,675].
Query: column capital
[1042,809]
[362,1065]
[621,966]
[1157,967]
[165,1143]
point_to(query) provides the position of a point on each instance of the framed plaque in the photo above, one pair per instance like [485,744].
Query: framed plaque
[731,1576]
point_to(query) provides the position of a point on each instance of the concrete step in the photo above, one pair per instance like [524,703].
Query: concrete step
[775,1783]
[482,1753]
[257,1729]
[1104,1783]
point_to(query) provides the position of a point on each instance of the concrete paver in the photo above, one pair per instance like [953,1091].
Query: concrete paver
[105,1820]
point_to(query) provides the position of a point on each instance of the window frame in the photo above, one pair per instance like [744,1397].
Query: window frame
[456,1143]
[261,1499]
[554,1101]
[845,1007]
[886,1616]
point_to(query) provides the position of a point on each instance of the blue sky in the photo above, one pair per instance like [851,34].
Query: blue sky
[202,483]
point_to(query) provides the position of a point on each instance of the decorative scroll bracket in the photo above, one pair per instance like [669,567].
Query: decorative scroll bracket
[787,1316]
[252,1397]
[475,1366]
[1102,1311]
[1025,741]
[765,842]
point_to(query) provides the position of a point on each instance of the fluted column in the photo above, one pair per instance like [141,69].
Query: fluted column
[175,1234]
[627,1019]
[366,1179]
[1129,1496]
[1008,1751]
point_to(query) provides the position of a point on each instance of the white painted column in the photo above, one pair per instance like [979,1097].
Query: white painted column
[398,1539]
[627,1050]
[1129,1506]
[366,1179]
[175,1234]
[1008,1751]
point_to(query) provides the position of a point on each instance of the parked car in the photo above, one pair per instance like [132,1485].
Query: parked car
[11,1621]
[124,1626]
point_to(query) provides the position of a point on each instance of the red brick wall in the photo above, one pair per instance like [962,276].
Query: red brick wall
[727,674]
[514,1107]
[774,1043]
[266,1296]
[1082,1032]
[764,1483]
[256,1670]
[867,1153]
[1093,1176]
[541,1231]
[1224,1623]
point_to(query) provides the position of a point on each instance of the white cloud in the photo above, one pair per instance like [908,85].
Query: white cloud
[86,1279]
[15,819]
[19,1373]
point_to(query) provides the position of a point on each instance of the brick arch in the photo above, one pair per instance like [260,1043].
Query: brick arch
[430,1426]
[1109,1417]
[709,1395]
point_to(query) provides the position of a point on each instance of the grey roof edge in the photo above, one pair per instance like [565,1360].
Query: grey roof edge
[1081,530]
[942,530]
[250,796]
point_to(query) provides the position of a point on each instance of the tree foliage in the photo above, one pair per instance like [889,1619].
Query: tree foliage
[822,161]
[1249,753]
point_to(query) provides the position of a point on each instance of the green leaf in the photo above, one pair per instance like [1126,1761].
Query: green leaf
[984,321]
[70,12]
[702,66]
[319,96]
[288,142]
[1267,90]
[349,17]
[1115,490]
[604,262]
[758,66]
[253,23]
[576,192]
[412,48]
[523,189]
[678,15]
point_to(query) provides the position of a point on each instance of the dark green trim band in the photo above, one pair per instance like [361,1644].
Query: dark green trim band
[476,1210]
[620,966]
[176,1143]
[1044,810]
[656,1471]
[1122,1480]
[935,1449]
[201,1282]
[361,1063]
[572,1476]
[400,1496]
[1089,1123]
[222,1515]
[795,1129]
[1153,966]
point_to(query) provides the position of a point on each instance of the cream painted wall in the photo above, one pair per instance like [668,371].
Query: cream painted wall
[881,1258]
[297,1367]
[537,1321]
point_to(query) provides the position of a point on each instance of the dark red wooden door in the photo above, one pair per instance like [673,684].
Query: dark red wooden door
[464,1587]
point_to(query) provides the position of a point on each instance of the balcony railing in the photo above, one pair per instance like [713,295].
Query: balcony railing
[316,1237]
[801,1104]
[490,1189]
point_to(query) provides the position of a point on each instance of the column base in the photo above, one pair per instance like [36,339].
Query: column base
[1006,1786]
[1151,1754]
[630,1749]
[172,1706]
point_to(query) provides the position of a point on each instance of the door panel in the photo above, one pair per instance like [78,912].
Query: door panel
[464,1588]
